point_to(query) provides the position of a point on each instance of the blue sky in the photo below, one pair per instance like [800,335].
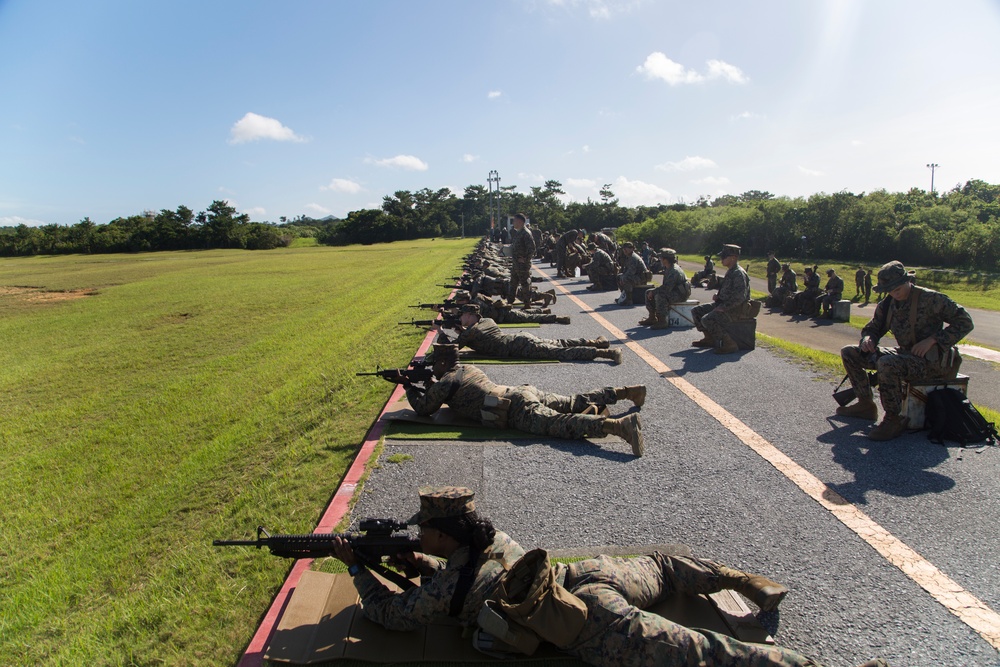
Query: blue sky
[113,107]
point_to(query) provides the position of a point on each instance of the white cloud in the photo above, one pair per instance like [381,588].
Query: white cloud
[586,148]
[255,210]
[15,220]
[810,172]
[316,208]
[659,66]
[226,191]
[690,163]
[400,162]
[639,193]
[580,183]
[534,178]
[712,180]
[746,115]
[469,157]
[857,142]
[599,9]
[342,185]
[493,94]
[253,127]
[719,69]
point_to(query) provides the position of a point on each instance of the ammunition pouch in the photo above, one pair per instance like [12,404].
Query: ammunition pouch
[495,409]
[528,600]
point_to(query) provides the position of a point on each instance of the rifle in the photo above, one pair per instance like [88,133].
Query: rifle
[848,395]
[447,303]
[421,372]
[446,323]
[379,538]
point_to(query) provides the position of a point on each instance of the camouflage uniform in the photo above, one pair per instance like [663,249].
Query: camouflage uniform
[833,291]
[431,601]
[522,249]
[466,388]
[805,301]
[859,281]
[706,272]
[729,304]
[501,314]
[601,268]
[786,287]
[561,249]
[672,290]
[631,276]
[896,365]
[773,267]
[617,632]
[485,337]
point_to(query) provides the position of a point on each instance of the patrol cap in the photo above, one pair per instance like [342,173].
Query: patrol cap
[785,266]
[628,244]
[729,249]
[445,351]
[708,257]
[891,276]
[591,246]
[442,502]
[829,272]
[463,295]
[668,253]
[469,308]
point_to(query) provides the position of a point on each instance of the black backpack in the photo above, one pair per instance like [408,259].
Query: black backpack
[951,416]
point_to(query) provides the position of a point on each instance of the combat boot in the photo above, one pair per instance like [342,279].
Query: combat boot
[552,295]
[646,321]
[635,393]
[877,662]
[865,408]
[659,323]
[707,341]
[614,355]
[562,319]
[726,345]
[601,343]
[628,429]
[892,426]
[763,592]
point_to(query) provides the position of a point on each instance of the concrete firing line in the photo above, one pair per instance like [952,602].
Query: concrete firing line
[968,608]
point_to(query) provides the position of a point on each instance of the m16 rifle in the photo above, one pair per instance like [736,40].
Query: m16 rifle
[447,303]
[421,372]
[378,539]
[445,323]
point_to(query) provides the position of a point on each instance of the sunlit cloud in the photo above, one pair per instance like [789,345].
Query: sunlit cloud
[255,210]
[316,208]
[810,172]
[342,185]
[533,178]
[746,115]
[690,163]
[586,148]
[659,66]
[580,183]
[253,127]
[857,142]
[716,181]
[408,162]
[598,9]
[493,94]
[15,220]
[638,193]
[226,191]
[469,157]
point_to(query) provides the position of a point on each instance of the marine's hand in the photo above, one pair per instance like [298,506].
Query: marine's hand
[867,345]
[923,347]
[424,564]
[343,550]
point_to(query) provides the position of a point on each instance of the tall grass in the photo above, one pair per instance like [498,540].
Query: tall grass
[194,396]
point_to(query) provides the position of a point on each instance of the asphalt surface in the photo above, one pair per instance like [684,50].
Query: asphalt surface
[700,485]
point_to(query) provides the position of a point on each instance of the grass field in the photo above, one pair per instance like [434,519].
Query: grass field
[152,402]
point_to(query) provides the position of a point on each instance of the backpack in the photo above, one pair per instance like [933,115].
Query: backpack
[951,416]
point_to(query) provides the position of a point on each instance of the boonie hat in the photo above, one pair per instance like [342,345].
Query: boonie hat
[891,276]
[729,249]
[442,502]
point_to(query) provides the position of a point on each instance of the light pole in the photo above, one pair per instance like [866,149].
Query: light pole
[494,177]
[932,166]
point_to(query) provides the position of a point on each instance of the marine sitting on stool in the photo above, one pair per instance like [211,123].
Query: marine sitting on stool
[730,303]
[925,348]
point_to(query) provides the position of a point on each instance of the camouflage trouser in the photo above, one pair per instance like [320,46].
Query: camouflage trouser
[520,282]
[520,317]
[657,303]
[564,349]
[618,633]
[826,301]
[894,368]
[711,321]
[535,411]
[772,282]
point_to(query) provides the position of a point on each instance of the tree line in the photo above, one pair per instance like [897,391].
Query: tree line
[958,228]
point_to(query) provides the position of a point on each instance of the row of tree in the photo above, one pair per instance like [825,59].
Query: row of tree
[959,228]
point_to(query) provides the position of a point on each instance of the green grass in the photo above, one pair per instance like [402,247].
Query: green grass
[194,396]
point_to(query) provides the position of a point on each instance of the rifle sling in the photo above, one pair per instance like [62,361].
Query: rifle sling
[391,575]
[466,575]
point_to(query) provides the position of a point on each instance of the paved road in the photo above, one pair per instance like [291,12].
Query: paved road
[745,464]
[987,331]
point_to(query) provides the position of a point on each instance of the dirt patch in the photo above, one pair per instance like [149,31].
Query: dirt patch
[42,295]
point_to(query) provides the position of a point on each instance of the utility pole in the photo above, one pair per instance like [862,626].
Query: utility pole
[932,166]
